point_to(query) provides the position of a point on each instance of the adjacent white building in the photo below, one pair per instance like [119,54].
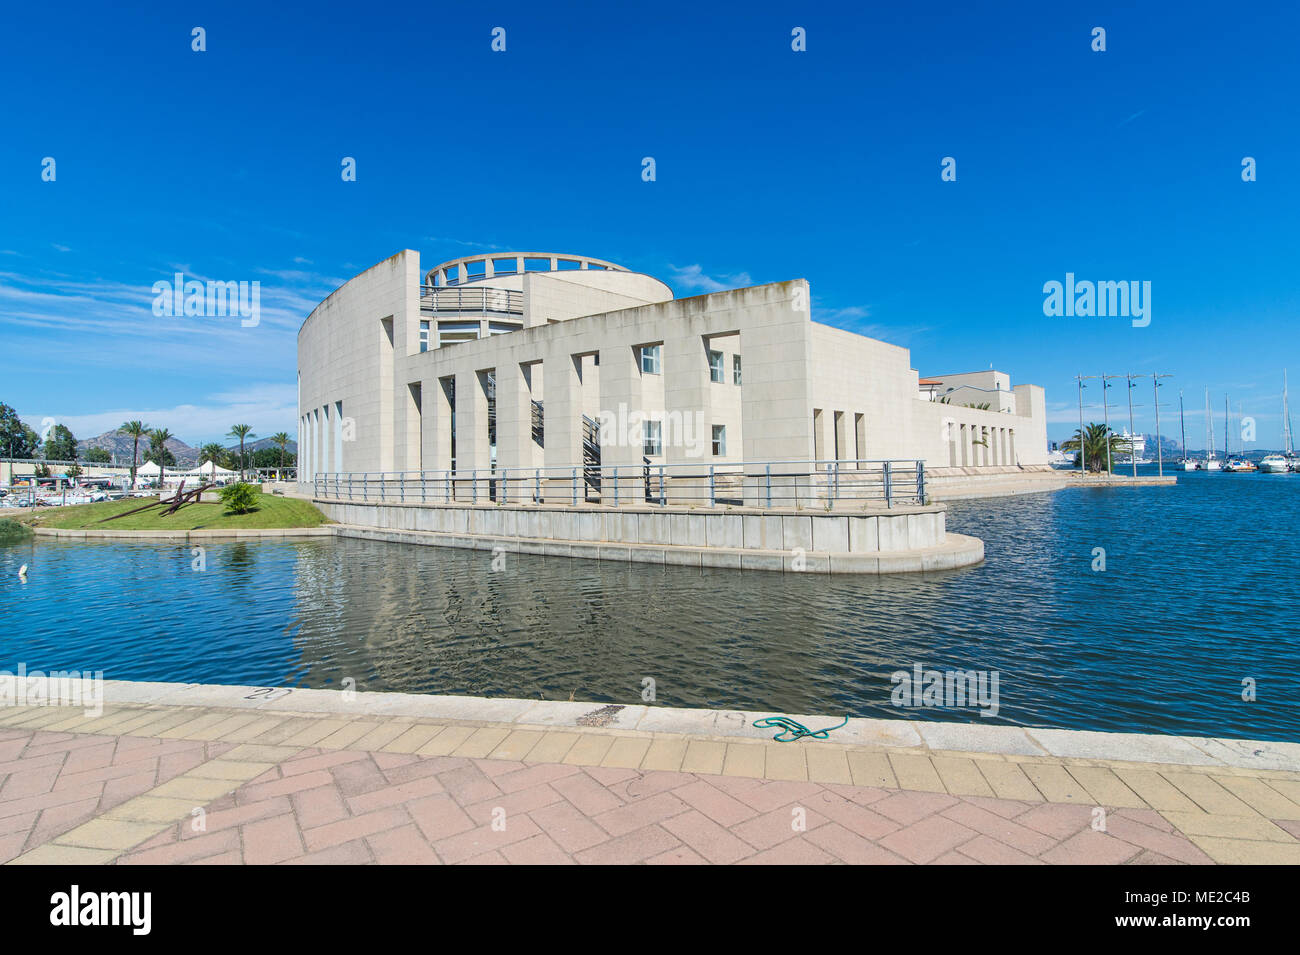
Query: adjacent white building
[531,361]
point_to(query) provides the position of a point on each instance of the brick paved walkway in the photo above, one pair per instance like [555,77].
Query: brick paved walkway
[207,785]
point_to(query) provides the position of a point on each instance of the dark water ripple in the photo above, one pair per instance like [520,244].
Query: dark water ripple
[1199,592]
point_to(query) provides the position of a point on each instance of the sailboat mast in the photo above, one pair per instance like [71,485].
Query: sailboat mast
[1209,427]
[1226,415]
[1286,418]
[1182,425]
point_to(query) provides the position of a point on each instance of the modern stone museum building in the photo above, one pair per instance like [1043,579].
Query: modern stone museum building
[511,363]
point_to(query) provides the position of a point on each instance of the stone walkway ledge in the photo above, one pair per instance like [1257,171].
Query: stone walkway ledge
[901,734]
[957,551]
[242,533]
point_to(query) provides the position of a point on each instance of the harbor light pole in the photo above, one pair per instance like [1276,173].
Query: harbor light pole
[1083,453]
[1105,410]
[1131,456]
[1155,391]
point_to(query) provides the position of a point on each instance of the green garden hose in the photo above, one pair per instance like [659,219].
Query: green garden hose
[795,730]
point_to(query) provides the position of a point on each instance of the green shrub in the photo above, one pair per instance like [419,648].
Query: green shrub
[11,530]
[239,498]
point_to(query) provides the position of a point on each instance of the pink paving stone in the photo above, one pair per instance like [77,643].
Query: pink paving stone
[570,829]
[22,822]
[769,795]
[1090,848]
[850,847]
[241,815]
[773,828]
[9,749]
[792,852]
[165,838]
[1290,825]
[498,767]
[906,807]
[409,772]
[404,845]
[1058,820]
[439,817]
[316,807]
[1147,817]
[108,774]
[862,795]
[707,837]
[645,785]
[357,827]
[1006,808]
[15,807]
[1172,845]
[255,792]
[32,782]
[268,841]
[487,858]
[225,858]
[394,795]
[609,775]
[173,764]
[59,819]
[12,845]
[526,800]
[587,795]
[928,839]
[1147,857]
[387,761]
[190,851]
[642,813]
[92,757]
[632,847]
[682,855]
[539,850]
[299,765]
[533,774]
[480,839]
[991,852]
[118,791]
[468,784]
[355,779]
[1026,840]
[722,808]
[355,852]
[270,776]
[853,817]
[954,858]
[735,785]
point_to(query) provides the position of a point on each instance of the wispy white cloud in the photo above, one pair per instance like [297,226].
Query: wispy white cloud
[693,278]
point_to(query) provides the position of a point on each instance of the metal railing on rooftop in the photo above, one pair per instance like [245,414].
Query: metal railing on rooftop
[476,298]
[765,484]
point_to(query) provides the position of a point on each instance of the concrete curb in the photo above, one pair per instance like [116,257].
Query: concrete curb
[904,735]
[323,530]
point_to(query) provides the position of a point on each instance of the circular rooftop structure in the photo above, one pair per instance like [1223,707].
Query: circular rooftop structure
[479,268]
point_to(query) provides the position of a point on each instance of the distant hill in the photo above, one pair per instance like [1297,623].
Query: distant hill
[260,443]
[119,444]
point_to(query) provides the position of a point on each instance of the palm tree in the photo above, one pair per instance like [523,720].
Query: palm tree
[134,430]
[213,453]
[1096,439]
[281,439]
[241,431]
[158,439]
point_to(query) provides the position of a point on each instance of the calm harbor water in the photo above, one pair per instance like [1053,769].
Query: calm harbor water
[1199,593]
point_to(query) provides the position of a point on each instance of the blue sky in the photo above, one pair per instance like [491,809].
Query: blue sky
[771,165]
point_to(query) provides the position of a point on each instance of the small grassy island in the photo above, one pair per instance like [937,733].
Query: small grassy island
[266,511]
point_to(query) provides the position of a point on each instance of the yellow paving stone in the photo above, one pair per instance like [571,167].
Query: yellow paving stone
[1208,794]
[78,721]
[1056,784]
[960,776]
[446,741]
[346,736]
[785,761]
[589,750]
[261,752]
[481,742]
[1248,851]
[413,738]
[196,789]
[119,834]
[1008,780]
[151,809]
[52,854]
[1228,827]
[1156,791]
[290,727]
[229,769]
[745,759]
[1290,788]
[251,731]
[552,747]
[382,735]
[871,769]
[828,764]
[38,717]
[136,725]
[665,753]
[626,753]
[312,734]
[517,744]
[916,772]
[1107,788]
[188,728]
[221,731]
[114,722]
[1261,797]
[704,756]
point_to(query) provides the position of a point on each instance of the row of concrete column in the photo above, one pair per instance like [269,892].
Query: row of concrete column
[320,441]
[999,447]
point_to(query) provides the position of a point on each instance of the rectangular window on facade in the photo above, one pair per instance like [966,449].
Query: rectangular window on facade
[652,444]
[719,440]
[715,366]
[735,369]
[424,336]
[650,359]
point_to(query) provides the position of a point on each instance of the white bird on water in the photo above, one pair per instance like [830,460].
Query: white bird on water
[22,572]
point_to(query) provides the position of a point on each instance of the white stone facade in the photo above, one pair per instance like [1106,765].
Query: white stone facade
[558,339]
